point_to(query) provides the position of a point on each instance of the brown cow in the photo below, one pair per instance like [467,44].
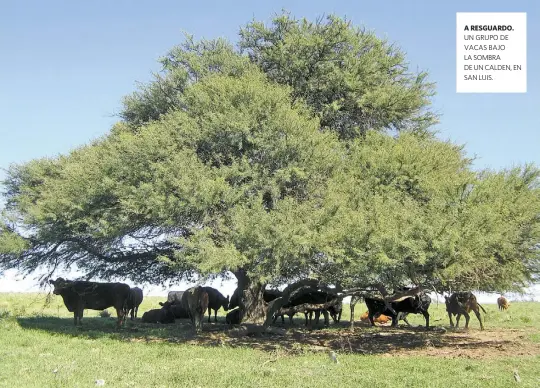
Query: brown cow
[80,295]
[383,319]
[195,302]
[503,303]
[462,303]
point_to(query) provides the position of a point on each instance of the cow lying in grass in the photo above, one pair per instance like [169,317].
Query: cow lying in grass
[382,319]
[461,303]
[503,303]
[163,315]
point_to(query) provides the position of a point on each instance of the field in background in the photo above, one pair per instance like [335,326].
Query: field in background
[40,347]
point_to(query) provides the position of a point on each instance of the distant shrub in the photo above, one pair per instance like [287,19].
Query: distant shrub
[525,319]
[4,314]
[104,314]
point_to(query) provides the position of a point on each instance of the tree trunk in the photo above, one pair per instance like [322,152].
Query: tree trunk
[354,300]
[251,299]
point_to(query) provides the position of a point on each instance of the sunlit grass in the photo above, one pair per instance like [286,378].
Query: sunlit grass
[40,347]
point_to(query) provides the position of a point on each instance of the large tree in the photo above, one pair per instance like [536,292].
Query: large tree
[305,152]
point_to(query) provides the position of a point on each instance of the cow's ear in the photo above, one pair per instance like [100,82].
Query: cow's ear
[51,281]
[161,304]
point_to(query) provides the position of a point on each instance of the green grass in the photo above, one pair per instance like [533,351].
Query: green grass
[40,347]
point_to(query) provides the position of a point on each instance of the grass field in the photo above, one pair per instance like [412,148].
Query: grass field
[40,347]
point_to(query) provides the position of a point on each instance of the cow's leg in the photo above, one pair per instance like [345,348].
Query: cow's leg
[370,317]
[79,312]
[317,316]
[283,319]
[326,320]
[426,316]
[209,313]
[477,313]
[451,321]
[132,313]
[136,311]
[467,318]
[352,313]
[215,315]
[403,317]
[76,317]
[120,315]
[306,317]
[457,319]
[395,320]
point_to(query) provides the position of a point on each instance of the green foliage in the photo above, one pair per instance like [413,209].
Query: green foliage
[10,241]
[353,80]
[410,209]
[278,161]
[183,66]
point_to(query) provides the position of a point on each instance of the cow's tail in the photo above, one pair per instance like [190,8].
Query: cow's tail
[485,312]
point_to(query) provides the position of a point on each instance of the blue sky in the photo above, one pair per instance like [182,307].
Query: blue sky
[66,66]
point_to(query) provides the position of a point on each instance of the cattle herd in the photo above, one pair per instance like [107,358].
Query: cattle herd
[193,303]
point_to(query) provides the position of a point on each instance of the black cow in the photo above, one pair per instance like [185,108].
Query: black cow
[175,297]
[80,295]
[195,301]
[334,310]
[315,297]
[178,310]
[234,317]
[268,296]
[461,303]
[163,315]
[216,300]
[418,304]
[234,301]
[134,301]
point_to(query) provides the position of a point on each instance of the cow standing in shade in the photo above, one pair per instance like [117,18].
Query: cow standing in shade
[195,301]
[134,301]
[418,304]
[80,295]
[216,300]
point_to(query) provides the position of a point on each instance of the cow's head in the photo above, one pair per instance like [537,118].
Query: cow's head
[447,301]
[225,303]
[59,285]
[167,315]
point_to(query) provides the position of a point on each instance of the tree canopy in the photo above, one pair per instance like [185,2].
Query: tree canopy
[307,150]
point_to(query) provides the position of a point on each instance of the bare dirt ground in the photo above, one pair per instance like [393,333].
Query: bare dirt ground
[386,341]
